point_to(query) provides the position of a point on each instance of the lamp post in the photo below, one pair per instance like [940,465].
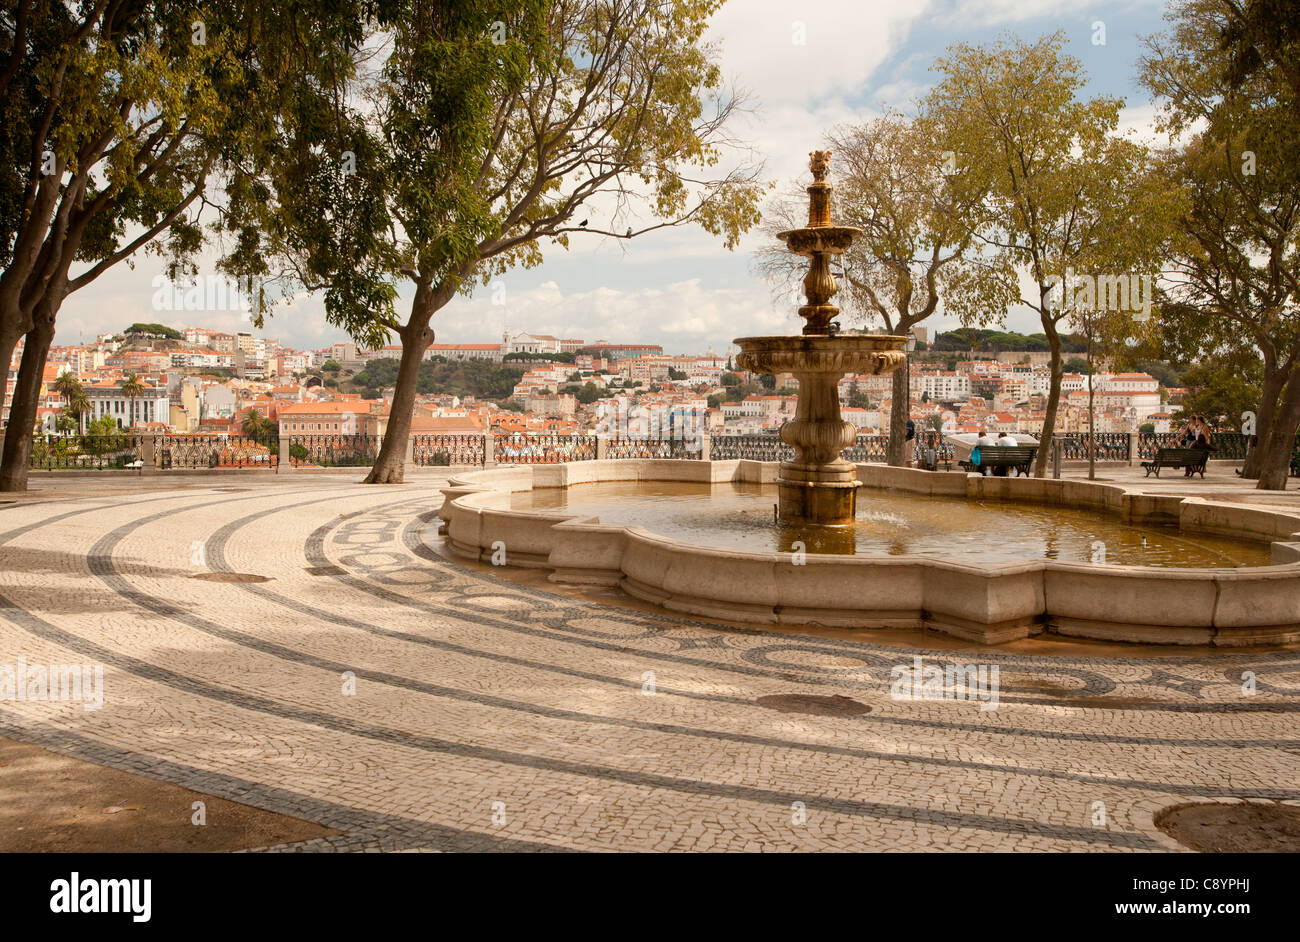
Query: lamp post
[908,349]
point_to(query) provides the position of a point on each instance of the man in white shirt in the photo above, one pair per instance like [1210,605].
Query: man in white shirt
[1003,441]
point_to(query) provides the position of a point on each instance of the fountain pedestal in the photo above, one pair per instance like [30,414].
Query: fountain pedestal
[819,486]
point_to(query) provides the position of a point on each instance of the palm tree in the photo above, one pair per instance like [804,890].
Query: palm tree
[132,388]
[76,402]
[257,426]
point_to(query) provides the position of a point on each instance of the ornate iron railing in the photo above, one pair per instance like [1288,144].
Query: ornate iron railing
[1110,446]
[332,451]
[757,447]
[924,441]
[868,448]
[198,452]
[652,448]
[202,451]
[449,449]
[542,447]
[115,451]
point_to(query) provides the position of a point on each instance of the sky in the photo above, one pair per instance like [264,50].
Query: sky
[681,288]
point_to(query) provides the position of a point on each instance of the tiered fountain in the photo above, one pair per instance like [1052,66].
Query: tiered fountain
[819,486]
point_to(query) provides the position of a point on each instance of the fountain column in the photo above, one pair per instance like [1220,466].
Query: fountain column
[819,486]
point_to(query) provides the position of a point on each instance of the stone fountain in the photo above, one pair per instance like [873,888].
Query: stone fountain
[819,486]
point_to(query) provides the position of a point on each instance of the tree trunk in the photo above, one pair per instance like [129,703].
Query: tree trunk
[1270,389]
[22,411]
[390,463]
[1053,400]
[8,340]
[896,454]
[1275,460]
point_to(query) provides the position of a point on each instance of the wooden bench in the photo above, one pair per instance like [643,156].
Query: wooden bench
[1019,457]
[1191,458]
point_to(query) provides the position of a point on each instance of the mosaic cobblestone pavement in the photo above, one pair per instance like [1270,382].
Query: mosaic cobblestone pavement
[489,715]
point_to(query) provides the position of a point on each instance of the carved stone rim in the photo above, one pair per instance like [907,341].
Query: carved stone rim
[826,343]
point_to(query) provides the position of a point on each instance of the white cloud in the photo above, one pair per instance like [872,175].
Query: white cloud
[683,316]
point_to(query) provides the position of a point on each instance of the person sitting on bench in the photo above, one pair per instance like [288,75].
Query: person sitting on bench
[1003,441]
[1202,443]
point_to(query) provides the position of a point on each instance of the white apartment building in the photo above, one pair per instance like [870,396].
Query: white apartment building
[538,343]
[946,386]
[153,405]
[1137,393]
[465,351]
[746,407]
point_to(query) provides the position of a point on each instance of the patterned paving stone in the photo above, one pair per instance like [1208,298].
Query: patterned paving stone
[369,683]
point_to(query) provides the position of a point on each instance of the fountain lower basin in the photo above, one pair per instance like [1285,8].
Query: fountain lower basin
[986,600]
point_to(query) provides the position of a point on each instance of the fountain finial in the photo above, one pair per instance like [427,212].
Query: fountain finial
[819,162]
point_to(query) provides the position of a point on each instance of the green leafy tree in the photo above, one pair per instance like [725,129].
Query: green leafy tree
[1224,387]
[491,131]
[1065,193]
[76,402]
[104,436]
[1225,75]
[117,116]
[1076,365]
[260,428]
[133,389]
[158,330]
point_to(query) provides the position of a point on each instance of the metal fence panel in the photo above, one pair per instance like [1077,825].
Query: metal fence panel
[542,448]
[332,451]
[115,451]
[444,450]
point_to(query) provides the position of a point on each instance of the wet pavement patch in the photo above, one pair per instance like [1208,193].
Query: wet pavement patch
[814,704]
[1233,827]
[230,577]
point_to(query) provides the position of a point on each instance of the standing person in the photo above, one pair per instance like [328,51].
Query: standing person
[982,444]
[910,449]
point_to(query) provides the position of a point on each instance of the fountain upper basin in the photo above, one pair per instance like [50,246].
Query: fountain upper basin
[807,241]
[820,353]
